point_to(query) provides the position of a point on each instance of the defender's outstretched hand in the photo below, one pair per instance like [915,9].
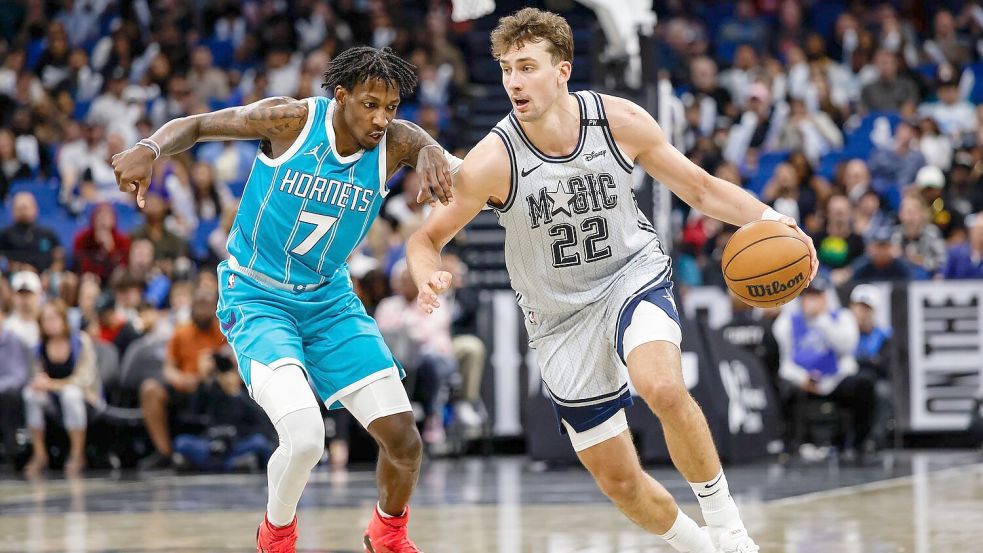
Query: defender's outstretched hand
[437,284]
[435,174]
[814,260]
[133,168]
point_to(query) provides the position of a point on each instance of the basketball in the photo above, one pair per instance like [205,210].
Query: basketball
[766,263]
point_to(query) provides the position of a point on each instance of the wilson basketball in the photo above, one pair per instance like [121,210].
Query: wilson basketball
[766,263]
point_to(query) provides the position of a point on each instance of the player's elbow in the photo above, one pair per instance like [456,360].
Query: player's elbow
[701,190]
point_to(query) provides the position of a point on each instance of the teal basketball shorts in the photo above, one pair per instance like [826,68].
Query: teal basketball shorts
[325,330]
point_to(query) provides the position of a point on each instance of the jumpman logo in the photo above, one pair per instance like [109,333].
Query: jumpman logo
[313,152]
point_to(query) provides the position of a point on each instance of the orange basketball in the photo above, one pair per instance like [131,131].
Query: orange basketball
[766,263]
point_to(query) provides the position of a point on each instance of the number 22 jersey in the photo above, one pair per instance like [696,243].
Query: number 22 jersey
[572,227]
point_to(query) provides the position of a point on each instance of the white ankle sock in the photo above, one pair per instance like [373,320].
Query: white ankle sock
[719,509]
[384,514]
[687,537]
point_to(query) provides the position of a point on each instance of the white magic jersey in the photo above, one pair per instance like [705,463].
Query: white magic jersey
[572,227]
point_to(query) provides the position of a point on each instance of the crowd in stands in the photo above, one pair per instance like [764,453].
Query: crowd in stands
[109,312]
[857,119]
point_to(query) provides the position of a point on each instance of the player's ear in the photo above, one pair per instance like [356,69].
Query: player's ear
[565,68]
[340,94]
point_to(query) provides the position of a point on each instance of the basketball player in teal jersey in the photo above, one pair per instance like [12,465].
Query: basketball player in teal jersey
[286,303]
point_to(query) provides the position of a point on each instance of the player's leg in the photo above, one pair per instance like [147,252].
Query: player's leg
[383,409]
[285,395]
[613,462]
[260,325]
[351,366]
[650,344]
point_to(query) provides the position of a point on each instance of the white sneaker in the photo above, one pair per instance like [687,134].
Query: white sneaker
[737,541]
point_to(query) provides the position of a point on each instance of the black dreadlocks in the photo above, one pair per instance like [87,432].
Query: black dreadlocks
[364,63]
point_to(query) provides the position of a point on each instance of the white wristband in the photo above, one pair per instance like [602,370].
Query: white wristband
[771,215]
[151,145]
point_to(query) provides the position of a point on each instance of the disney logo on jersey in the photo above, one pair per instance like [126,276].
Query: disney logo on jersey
[594,155]
[578,195]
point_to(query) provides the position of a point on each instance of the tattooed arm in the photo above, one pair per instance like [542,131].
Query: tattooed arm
[408,144]
[275,121]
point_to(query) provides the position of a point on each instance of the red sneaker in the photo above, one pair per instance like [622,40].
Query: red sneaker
[270,539]
[388,535]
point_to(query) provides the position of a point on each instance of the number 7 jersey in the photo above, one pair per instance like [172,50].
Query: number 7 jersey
[303,213]
[572,227]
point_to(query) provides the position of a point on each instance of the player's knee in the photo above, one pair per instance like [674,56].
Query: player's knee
[304,439]
[665,398]
[619,483]
[406,449]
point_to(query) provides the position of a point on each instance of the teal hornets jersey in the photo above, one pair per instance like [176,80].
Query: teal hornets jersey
[303,213]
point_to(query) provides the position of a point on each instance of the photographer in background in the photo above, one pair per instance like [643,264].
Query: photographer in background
[236,430]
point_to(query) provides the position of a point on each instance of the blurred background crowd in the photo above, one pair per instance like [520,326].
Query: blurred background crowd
[858,119]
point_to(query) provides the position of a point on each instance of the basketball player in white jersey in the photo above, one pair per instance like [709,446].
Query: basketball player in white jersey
[590,274]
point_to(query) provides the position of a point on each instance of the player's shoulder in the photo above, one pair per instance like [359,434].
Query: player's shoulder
[620,111]
[488,158]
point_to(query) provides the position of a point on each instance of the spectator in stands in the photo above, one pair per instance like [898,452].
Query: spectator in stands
[148,277]
[890,91]
[954,115]
[23,321]
[897,167]
[25,243]
[934,144]
[235,434]
[946,46]
[109,106]
[947,208]
[165,401]
[147,321]
[469,350]
[874,354]
[12,167]
[206,81]
[422,343]
[921,243]
[739,77]
[218,238]
[101,247]
[965,260]
[210,198]
[13,377]
[372,288]
[109,321]
[838,245]
[75,159]
[814,133]
[868,215]
[713,100]
[167,245]
[745,27]
[816,346]
[757,128]
[66,372]
[881,262]
[855,179]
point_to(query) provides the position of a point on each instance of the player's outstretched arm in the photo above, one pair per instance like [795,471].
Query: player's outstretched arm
[275,120]
[642,139]
[483,177]
[408,144]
